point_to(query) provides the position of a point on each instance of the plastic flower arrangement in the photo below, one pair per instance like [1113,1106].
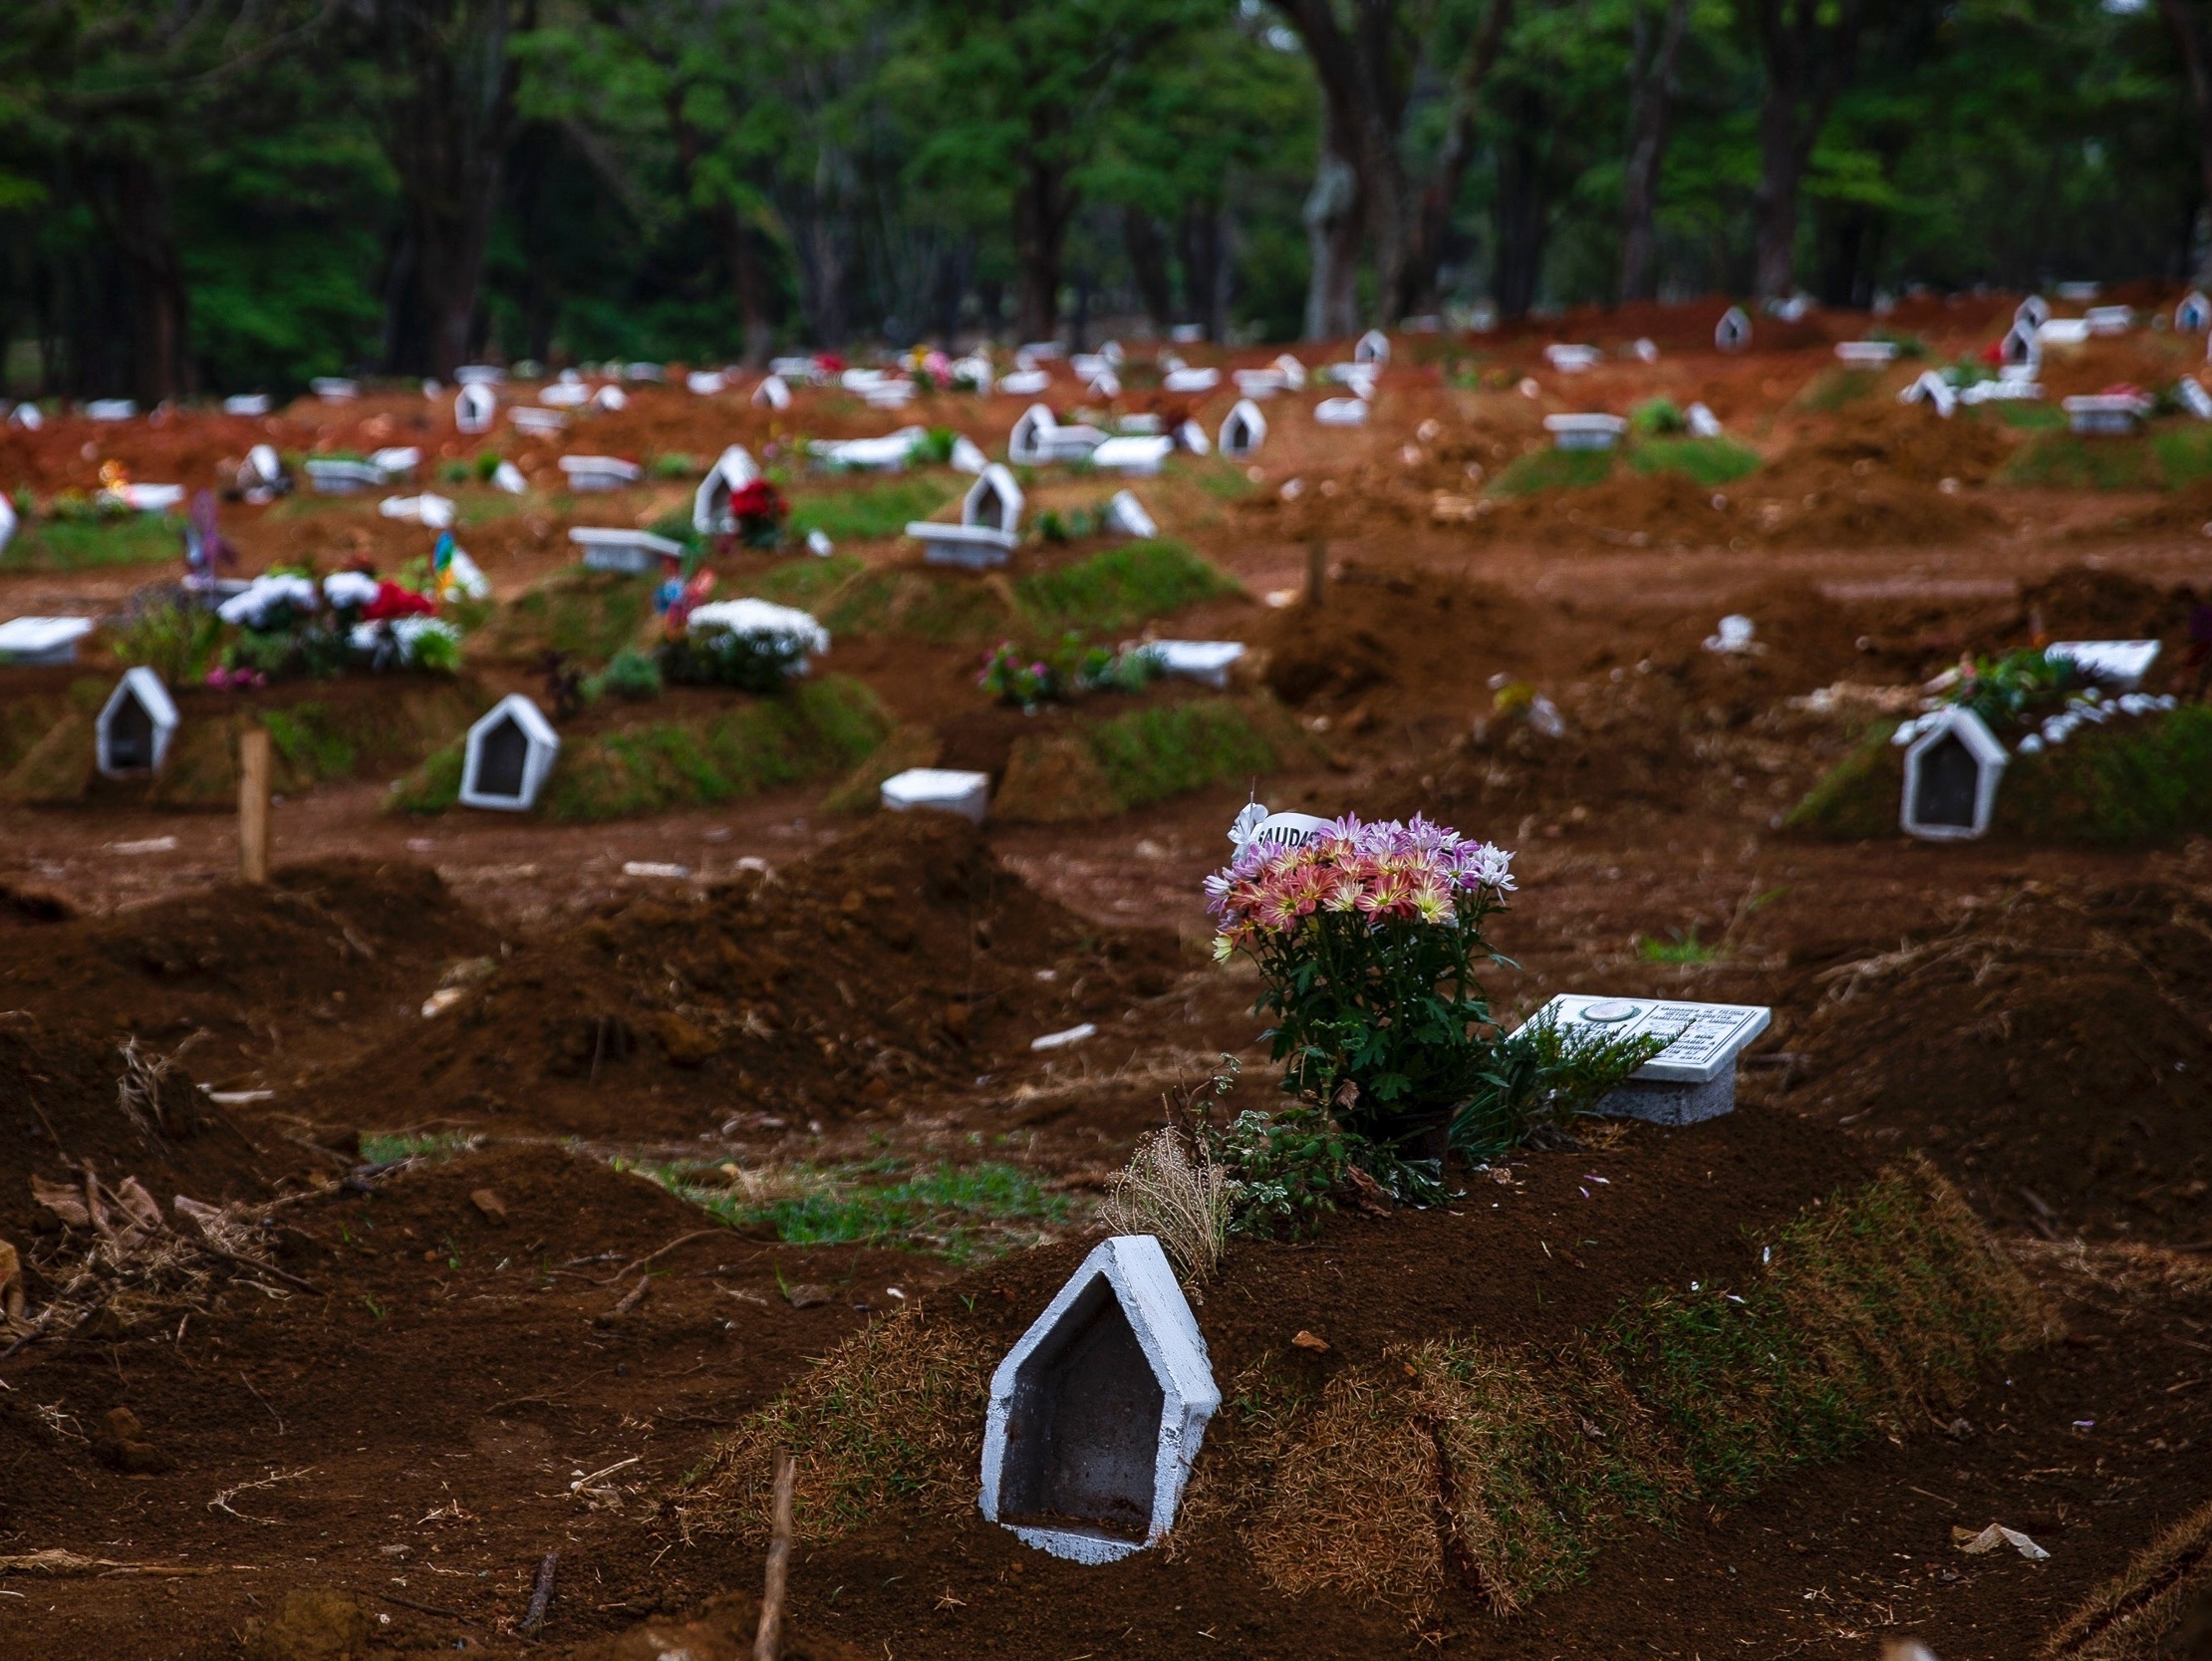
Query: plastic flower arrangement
[760,509]
[1012,676]
[1368,938]
[752,645]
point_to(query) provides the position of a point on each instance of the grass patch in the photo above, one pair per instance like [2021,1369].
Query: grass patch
[387,1148]
[870,512]
[1554,470]
[1831,389]
[2135,782]
[1120,587]
[1876,1308]
[585,614]
[2061,460]
[1708,460]
[1092,769]
[821,727]
[80,545]
[1223,481]
[959,1211]
[2184,456]
[2029,417]
[1677,947]
[914,745]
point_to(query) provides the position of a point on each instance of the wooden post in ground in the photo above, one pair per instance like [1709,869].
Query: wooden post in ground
[1317,571]
[253,805]
[767,1643]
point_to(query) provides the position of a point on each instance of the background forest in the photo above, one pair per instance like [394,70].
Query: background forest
[208,195]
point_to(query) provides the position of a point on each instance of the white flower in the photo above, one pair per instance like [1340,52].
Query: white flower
[348,589]
[759,617]
[264,596]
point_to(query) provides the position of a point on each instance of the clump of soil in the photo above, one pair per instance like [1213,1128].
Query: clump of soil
[267,975]
[902,956]
[2051,1050]
[1904,441]
[1390,641]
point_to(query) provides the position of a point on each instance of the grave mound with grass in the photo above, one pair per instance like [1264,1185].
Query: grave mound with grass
[1439,1414]
[899,959]
[587,615]
[1099,764]
[623,759]
[2048,1047]
[2060,460]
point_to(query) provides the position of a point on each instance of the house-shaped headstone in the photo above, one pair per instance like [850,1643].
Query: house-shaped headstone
[939,790]
[1097,1413]
[1293,371]
[479,374]
[1243,430]
[1584,431]
[731,472]
[588,474]
[2194,316]
[2034,311]
[1701,421]
[613,548]
[989,527]
[261,475]
[7,522]
[246,403]
[1693,1078]
[1734,331]
[26,416]
[2022,345]
[1341,412]
[1126,516]
[1932,389]
[774,393]
[1952,771]
[1371,347]
[2194,398]
[475,407]
[509,756]
[135,725]
[1192,438]
[967,457]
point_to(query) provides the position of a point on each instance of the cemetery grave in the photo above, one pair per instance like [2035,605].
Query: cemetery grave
[715,1103]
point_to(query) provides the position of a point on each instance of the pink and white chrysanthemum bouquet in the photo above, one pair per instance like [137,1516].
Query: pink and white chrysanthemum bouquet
[1367,937]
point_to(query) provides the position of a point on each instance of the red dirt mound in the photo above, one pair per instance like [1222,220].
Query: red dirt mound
[274,976]
[1391,641]
[1905,442]
[902,956]
[2051,1050]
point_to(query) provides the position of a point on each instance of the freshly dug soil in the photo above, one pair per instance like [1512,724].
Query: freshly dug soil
[1391,641]
[272,978]
[902,956]
[2051,1052]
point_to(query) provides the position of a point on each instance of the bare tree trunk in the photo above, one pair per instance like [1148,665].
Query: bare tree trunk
[1653,78]
[1523,216]
[2187,22]
[1425,237]
[160,304]
[1148,265]
[449,117]
[1808,62]
[1334,225]
[1044,207]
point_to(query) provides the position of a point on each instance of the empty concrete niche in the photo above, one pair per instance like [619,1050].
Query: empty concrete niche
[1693,1078]
[1951,770]
[510,753]
[989,527]
[135,725]
[1097,1413]
[1243,430]
[711,514]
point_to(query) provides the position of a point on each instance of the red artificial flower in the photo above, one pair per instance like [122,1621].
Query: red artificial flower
[394,601]
[758,501]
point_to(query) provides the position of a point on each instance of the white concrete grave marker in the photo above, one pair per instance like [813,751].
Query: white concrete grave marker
[1932,389]
[799,371]
[1206,662]
[2118,663]
[509,756]
[1373,348]
[1187,334]
[644,371]
[967,457]
[1952,771]
[1341,412]
[7,522]
[613,548]
[2021,347]
[941,790]
[2063,330]
[1038,437]
[774,393]
[1259,382]
[1134,454]
[1571,360]
[610,398]
[151,498]
[1127,515]
[705,383]
[435,511]
[39,642]
[1734,331]
[1694,1077]
[888,454]
[2035,312]
[1187,380]
[2079,293]
[1192,438]
[135,725]
[732,470]
[1867,353]
[537,423]
[509,478]
[1701,421]
[1025,382]
[2108,414]
[111,410]
[568,393]
[246,403]
[1590,432]
[2194,314]
[333,389]
[26,416]
[2109,320]
[2194,398]
[343,479]
[475,407]
[1293,371]
[589,474]
[989,527]
[479,374]
[1097,1413]
[1243,430]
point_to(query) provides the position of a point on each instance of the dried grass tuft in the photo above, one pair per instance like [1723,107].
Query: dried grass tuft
[1172,1188]
[895,1412]
[2159,1605]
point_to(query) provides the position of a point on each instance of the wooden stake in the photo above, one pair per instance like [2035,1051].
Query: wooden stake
[253,805]
[1317,572]
[767,1644]
[541,1595]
